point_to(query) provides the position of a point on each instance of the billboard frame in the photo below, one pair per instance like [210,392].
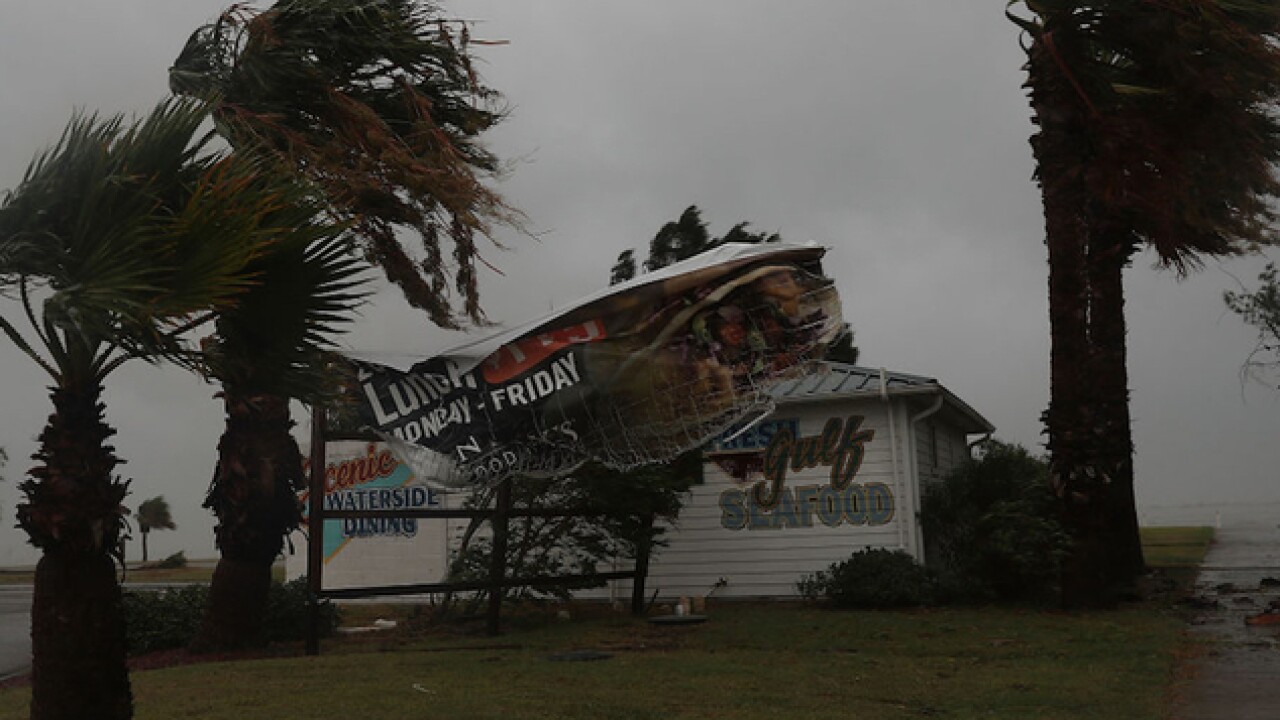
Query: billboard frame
[497,517]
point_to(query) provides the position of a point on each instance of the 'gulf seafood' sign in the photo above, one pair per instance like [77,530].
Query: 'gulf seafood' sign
[636,374]
[773,504]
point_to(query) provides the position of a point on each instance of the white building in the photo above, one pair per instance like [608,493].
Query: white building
[896,434]
[840,466]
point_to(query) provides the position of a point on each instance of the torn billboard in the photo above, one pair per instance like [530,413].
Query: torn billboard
[633,375]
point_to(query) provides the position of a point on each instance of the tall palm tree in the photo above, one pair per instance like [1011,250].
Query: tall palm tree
[377,105]
[117,241]
[153,514]
[1155,129]
[272,346]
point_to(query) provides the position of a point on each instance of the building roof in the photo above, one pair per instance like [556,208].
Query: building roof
[833,380]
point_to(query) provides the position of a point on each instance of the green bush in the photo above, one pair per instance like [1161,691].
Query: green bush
[991,527]
[287,612]
[165,619]
[871,578]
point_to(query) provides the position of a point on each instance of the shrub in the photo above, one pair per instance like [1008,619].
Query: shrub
[165,619]
[871,578]
[991,527]
[617,512]
[287,612]
[174,561]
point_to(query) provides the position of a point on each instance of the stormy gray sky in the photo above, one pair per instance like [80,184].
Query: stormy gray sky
[892,131]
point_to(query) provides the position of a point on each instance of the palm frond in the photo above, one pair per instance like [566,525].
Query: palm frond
[16,338]
[278,337]
[1182,136]
[132,228]
[377,103]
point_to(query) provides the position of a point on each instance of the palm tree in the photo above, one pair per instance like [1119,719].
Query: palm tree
[376,104]
[679,240]
[273,346]
[153,514]
[1155,129]
[115,243]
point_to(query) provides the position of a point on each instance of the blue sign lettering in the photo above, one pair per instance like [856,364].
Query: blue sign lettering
[756,437]
[855,504]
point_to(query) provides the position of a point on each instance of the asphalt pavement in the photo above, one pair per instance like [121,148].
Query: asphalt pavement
[15,624]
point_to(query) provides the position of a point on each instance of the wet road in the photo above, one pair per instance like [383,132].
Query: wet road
[15,624]
[1236,678]
[15,629]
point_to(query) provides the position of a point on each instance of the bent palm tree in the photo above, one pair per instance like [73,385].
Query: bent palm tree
[271,347]
[153,514]
[1157,128]
[376,104]
[115,242]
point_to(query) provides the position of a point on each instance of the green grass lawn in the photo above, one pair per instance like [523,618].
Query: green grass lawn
[1175,553]
[1166,547]
[746,662]
[779,660]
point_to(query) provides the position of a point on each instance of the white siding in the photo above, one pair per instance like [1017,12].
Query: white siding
[940,447]
[718,536]
[952,450]
[759,560]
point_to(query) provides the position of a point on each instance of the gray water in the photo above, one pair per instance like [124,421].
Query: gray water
[1218,515]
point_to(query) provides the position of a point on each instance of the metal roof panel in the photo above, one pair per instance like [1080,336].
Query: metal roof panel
[832,380]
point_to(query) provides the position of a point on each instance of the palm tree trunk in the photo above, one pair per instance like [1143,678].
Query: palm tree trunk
[1069,423]
[73,513]
[1113,437]
[77,640]
[253,495]
[144,546]
[1061,148]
